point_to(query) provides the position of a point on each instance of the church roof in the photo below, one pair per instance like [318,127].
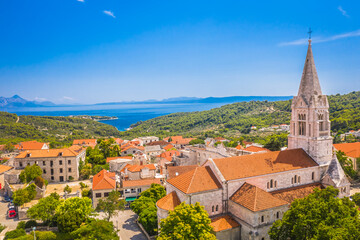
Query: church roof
[336,172]
[263,163]
[223,223]
[290,194]
[255,199]
[197,180]
[309,84]
[169,202]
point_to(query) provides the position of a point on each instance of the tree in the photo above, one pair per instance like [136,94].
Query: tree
[156,191]
[356,198]
[22,196]
[111,204]
[148,218]
[44,210]
[187,221]
[95,229]
[15,233]
[141,204]
[67,189]
[276,142]
[346,164]
[321,215]
[72,212]
[196,141]
[30,173]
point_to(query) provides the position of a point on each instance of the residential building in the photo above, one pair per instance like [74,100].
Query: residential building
[137,172]
[103,183]
[255,190]
[85,142]
[58,165]
[153,151]
[149,139]
[131,189]
[31,145]
[351,150]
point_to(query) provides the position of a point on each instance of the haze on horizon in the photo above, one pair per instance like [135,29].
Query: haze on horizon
[86,51]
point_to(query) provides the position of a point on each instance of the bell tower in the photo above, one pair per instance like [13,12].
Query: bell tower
[310,124]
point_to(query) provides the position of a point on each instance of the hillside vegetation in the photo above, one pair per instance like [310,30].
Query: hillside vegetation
[59,130]
[237,118]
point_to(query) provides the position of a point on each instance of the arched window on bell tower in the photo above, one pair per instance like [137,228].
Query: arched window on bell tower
[321,122]
[302,124]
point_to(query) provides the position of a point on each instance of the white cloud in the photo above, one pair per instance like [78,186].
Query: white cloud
[67,98]
[39,99]
[80,0]
[110,13]
[304,41]
[343,12]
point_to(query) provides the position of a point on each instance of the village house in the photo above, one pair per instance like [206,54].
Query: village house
[178,141]
[31,145]
[351,150]
[136,172]
[130,149]
[147,140]
[131,189]
[103,183]
[85,142]
[153,151]
[58,165]
[249,193]
[116,164]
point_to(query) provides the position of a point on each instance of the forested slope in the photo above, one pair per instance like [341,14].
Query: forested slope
[237,118]
[50,129]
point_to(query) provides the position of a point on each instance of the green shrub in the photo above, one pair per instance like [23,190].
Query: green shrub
[46,235]
[15,234]
[30,224]
[21,225]
[85,193]
[39,181]
[2,227]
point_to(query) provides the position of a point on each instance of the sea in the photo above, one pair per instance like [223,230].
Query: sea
[126,114]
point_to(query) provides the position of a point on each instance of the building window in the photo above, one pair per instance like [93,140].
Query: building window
[292,180]
[52,171]
[98,195]
[262,219]
[213,208]
[106,194]
[139,190]
[61,170]
[268,185]
[60,162]
[275,184]
[44,163]
[295,179]
[298,179]
[312,176]
[271,183]
[51,163]
[20,164]
[52,178]
[69,162]
[44,171]
[127,190]
[321,122]
[69,169]
[278,215]
[302,124]
[217,207]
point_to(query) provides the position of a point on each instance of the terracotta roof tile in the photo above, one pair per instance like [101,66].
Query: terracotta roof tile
[30,145]
[66,152]
[174,171]
[4,168]
[143,182]
[350,149]
[114,158]
[256,149]
[197,180]
[169,154]
[223,223]
[239,147]
[86,142]
[130,146]
[138,168]
[161,143]
[168,147]
[104,180]
[255,199]
[263,163]
[290,194]
[169,202]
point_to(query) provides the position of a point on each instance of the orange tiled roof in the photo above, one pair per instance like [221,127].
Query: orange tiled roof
[179,140]
[168,147]
[197,180]
[350,149]
[138,168]
[88,142]
[239,147]
[143,182]
[114,158]
[290,194]
[169,154]
[66,152]
[118,140]
[161,143]
[4,168]
[169,202]
[223,223]
[104,180]
[174,171]
[256,149]
[30,145]
[263,163]
[255,199]
[130,146]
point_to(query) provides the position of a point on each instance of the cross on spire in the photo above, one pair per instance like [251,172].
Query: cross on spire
[309,32]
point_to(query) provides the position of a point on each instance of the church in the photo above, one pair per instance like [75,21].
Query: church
[245,195]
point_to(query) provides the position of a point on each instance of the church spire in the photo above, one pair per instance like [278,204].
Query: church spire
[309,84]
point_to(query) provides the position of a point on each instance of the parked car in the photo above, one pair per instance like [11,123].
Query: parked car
[6,198]
[12,213]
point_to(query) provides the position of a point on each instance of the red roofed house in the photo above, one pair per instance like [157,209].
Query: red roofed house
[137,172]
[85,142]
[351,150]
[178,141]
[131,189]
[255,190]
[129,149]
[31,145]
[103,183]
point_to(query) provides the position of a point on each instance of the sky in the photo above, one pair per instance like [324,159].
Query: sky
[91,51]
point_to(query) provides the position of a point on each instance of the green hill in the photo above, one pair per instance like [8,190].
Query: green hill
[59,130]
[236,119]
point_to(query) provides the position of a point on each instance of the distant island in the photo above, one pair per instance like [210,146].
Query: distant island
[95,118]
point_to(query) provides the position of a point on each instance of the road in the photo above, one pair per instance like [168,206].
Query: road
[9,223]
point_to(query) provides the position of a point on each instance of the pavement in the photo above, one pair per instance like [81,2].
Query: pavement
[9,223]
[124,221]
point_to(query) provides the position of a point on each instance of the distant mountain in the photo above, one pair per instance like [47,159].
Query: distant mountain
[17,101]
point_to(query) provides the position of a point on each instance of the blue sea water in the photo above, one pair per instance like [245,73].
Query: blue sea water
[127,114]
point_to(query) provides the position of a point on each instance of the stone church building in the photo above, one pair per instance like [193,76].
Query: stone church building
[244,195]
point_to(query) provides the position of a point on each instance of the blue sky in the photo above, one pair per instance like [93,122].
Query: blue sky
[72,51]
